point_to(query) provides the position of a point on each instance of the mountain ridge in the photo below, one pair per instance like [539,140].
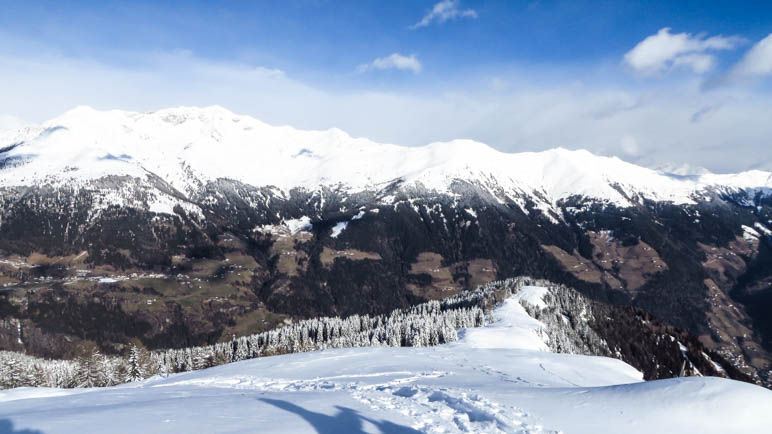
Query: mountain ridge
[186,226]
[188,146]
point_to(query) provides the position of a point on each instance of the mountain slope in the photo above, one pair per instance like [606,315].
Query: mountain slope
[495,379]
[187,147]
[188,226]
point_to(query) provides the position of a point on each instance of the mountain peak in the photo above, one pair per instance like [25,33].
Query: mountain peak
[190,145]
[207,111]
[77,112]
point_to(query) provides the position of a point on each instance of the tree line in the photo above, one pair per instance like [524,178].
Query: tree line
[426,324]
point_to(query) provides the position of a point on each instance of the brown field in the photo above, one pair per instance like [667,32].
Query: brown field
[725,261]
[442,285]
[635,264]
[618,266]
[291,261]
[328,255]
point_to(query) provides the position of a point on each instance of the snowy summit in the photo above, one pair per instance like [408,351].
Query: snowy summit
[187,147]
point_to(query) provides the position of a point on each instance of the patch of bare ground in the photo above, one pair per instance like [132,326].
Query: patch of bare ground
[292,261]
[41,259]
[328,255]
[729,332]
[583,268]
[434,280]
[620,266]
[725,264]
[634,264]
[480,271]
[727,320]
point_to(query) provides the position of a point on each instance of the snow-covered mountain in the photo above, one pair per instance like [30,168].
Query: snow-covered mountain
[195,224]
[499,378]
[189,147]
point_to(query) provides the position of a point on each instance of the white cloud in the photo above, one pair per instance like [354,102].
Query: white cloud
[444,11]
[394,61]
[757,62]
[630,146]
[665,51]
[8,122]
[528,115]
[699,63]
[269,72]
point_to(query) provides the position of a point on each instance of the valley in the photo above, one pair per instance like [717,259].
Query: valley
[197,249]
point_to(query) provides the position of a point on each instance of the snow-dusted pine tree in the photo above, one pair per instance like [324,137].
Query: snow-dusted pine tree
[134,369]
[89,373]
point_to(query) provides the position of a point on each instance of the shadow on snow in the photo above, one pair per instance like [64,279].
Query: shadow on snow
[346,420]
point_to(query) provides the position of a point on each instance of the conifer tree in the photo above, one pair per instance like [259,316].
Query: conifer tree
[134,369]
[89,374]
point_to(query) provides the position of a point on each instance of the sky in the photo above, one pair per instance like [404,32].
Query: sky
[652,82]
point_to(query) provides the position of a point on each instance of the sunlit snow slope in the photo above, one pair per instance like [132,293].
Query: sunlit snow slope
[495,379]
[188,147]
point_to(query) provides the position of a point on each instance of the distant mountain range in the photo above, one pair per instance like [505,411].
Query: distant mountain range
[190,147]
[190,225]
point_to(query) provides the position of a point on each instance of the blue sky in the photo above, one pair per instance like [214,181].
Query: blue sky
[518,75]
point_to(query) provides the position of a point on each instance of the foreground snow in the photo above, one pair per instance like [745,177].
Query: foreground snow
[494,379]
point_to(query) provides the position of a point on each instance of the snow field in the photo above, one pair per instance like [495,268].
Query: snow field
[494,379]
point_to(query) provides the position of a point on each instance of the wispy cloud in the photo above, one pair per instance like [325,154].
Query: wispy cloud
[445,10]
[700,114]
[666,51]
[527,115]
[629,146]
[757,62]
[8,122]
[394,61]
[269,72]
